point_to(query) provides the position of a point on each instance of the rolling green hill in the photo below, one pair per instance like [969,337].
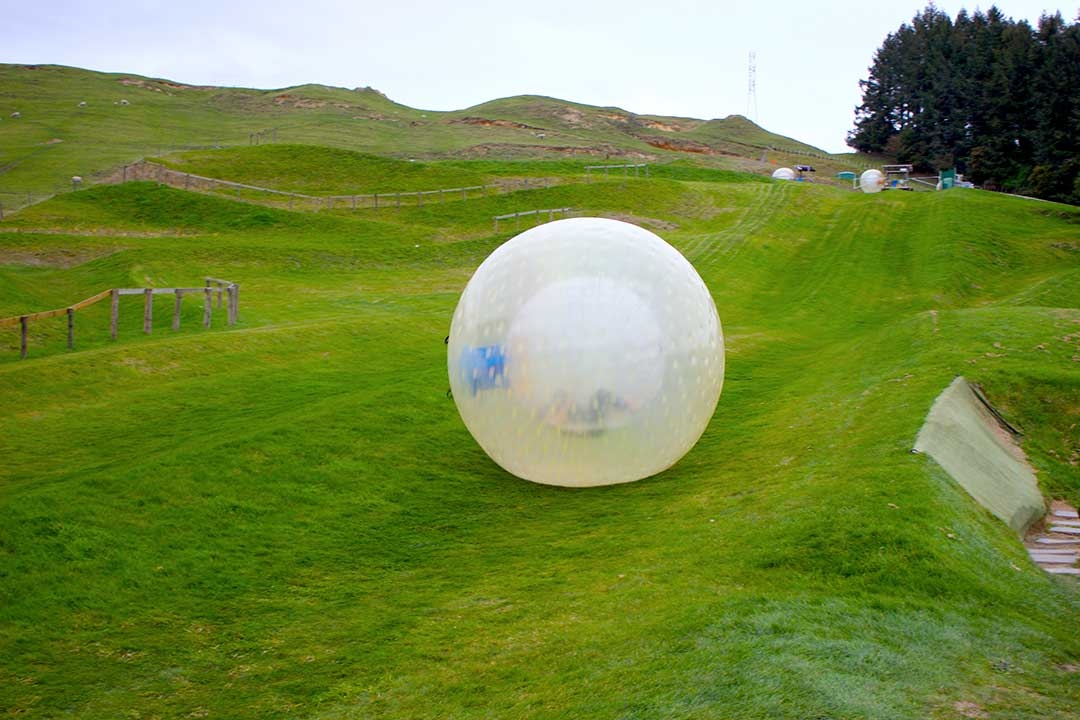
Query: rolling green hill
[287,518]
[127,117]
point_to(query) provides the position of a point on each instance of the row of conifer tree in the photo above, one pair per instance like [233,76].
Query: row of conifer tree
[997,99]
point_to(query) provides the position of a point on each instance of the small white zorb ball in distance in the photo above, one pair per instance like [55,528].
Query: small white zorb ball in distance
[586,352]
[783,174]
[872,181]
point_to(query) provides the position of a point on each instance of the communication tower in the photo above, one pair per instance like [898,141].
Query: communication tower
[751,88]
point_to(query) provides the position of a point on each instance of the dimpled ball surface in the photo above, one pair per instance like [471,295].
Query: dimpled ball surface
[586,352]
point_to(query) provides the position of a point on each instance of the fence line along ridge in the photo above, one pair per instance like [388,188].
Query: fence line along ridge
[147,170]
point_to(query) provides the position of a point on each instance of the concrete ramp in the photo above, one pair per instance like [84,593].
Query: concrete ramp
[977,448]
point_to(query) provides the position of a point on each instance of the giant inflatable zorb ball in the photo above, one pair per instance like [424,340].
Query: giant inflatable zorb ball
[872,181]
[586,352]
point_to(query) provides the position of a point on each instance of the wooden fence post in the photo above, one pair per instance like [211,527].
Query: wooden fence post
[22,334]
[114,317]
[71,328]
[208,303]
[176,310]
[148,310]
[234,303]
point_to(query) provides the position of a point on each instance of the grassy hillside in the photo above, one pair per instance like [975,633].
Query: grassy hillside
[79,122]
[288,518]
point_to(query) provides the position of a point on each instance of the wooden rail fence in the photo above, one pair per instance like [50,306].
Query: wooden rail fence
[525,213]
[625,168]
[213,285]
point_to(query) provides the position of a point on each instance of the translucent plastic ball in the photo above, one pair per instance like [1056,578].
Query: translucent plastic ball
[586,352]
[872,181]
[783,174]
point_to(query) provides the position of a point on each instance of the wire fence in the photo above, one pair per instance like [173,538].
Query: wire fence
[146,170]
[15,200]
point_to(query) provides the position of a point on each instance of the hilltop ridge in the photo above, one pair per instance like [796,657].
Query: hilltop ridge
[72,121]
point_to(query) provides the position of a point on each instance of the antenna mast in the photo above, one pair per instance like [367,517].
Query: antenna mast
[751,88]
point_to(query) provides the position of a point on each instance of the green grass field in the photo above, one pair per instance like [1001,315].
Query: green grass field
[287,518]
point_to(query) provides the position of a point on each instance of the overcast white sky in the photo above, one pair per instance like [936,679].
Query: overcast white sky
[676,57]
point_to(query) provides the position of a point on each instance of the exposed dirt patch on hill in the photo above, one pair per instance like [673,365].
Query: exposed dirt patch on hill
[298,102]
[520,150]
[486,122]
[161,86]
[669,126]
[679,145]
[573,116]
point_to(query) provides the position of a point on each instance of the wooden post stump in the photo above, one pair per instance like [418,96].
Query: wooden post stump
[114,319]
[176,309]
[148,310]
[234,303]
[71,328]
[208,303]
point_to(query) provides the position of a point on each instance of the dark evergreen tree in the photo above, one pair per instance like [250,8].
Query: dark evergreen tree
[995,98]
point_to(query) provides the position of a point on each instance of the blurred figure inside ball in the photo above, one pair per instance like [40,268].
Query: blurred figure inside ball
[586,352]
